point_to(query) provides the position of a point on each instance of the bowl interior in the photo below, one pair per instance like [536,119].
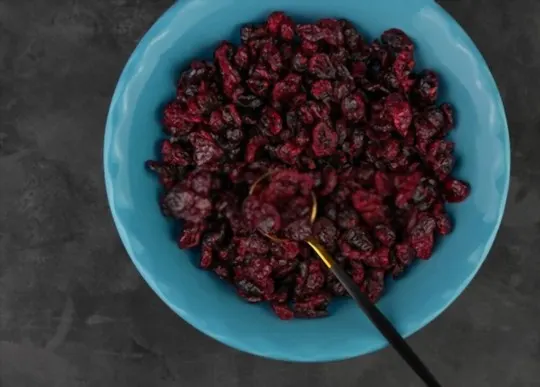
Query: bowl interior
[191,29]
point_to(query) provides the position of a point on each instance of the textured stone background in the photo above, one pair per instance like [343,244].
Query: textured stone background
[73,310]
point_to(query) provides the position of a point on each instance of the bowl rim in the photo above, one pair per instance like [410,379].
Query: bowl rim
[191,319]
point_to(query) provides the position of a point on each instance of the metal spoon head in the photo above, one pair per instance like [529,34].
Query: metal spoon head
[313,214]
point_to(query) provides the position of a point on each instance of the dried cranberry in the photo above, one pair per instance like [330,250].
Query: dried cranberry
[397,40]
[326,232]
[253,146]
[426,87]
[324,140]
[455,190]
[282,311]
[400,112]
[321,67]
[423,245]
[191,235]
[353,108]
[187,205]
[298,230]
[385,235]
[358,239]
[206,149]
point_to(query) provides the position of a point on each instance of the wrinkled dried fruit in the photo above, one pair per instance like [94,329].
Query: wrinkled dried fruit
[325,113]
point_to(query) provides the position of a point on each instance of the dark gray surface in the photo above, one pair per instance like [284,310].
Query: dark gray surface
[74,311]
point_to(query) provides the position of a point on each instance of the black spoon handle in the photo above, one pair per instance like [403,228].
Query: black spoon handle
[377,318]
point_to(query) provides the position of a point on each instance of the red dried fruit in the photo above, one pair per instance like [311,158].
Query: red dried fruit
[254,244]
[282,311]
[423,245]
[379,259]
[298,230]
[444,224]
[326,232]
[324,140]
[397,40]
[321,90]
[383,184]
[329,181]
[404,254]
[253,146]
[353,108]
[400,112]
[174,154]
[185,204]
[327,114]
[321,67]
[426,87]
[385,235]
[289,152]
[261,216]
[287,88]
[455,190]
[191,235]
[358,239]
[347,218]
[206,151]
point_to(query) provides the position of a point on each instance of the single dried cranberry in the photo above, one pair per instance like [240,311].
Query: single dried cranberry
[375,284]
[207,257]
[385,235]
[298,230]
[440,159]
[282,311]
[288,152]
[324,140]
[275,22]
[287,88]
[187,205]
[300,62]
[383,184]
[254,244]
[322,90]
[400,112]
[444,225]
[253,146]
[347,219]
[191,235]
[455,190]
[326,232]
[353,108]
[174,120]
[329,179]
[358,239]
[262,216]
[426,87]
[379,259]
[448,113]
[309,32]
[174,154]
[402,67]
[206,149]
[423,245]
[321,67]
[271,123]
[397,40]
[404,253]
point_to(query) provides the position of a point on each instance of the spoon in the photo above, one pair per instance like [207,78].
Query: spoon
[385,327]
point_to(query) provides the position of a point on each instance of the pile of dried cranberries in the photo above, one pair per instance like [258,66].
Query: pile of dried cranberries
[325,112]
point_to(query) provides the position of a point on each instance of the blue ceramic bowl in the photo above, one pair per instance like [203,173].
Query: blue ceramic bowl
[190,29]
